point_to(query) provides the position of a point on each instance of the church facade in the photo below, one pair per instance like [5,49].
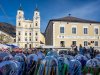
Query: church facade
[28,33]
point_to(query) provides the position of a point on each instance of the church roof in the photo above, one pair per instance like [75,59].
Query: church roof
[74,19]
[20,8]
[36,9]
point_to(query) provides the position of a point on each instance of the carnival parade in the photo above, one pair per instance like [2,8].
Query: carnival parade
[49,37]
[41,61]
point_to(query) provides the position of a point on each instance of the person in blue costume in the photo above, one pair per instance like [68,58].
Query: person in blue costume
[20,59]
[24,61]
[3,55]
[74,67]
[62,66]
[92,67]
[31,63]
[40,57]
[8,68]
[51,66]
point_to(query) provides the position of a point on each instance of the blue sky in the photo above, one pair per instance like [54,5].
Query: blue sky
[50,9]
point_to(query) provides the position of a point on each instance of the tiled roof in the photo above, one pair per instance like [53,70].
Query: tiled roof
[8,28]
[74,19]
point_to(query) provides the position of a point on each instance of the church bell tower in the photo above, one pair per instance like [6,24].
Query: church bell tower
[36,26]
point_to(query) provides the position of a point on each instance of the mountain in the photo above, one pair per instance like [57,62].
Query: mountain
[8,28]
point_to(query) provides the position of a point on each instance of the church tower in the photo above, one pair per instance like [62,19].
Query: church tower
[19,25]
[20,14]
[36,26]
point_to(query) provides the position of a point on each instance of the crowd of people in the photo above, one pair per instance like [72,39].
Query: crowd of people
[49,62]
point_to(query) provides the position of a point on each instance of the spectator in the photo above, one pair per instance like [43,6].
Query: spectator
[75,50]
[80,49]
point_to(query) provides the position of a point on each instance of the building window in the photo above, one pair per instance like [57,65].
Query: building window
[61,29]
[19,24]
[85,30]
[14,40]
[96,43]
[25,33]
[73,42]
[36,33]
[36,24]
[85,43]
[36,45]
[30,34]
[30,39]
[62,43]
[36,14]
[25,39]
[73,30]
[30,46]
[36,39]
[96,31]
[18,39]
[25,45]
[19,33]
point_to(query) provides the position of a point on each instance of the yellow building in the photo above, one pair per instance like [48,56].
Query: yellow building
[67,31]
[28,33]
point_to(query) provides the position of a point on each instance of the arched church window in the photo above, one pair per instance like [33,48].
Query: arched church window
[36,23]
[19,24]
[18,39]
[25,39]
[30,39]
[25,45]
[19,33]
[36,39]
[30,33]
[36,33]
[25,33]
[36,14]
[30,46]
